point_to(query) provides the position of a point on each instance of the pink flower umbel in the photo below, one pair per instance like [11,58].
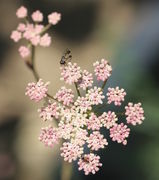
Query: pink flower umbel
[89,163]
[21,12]
[93,122]
[86,80]
[116,95]
[32,30]
[24,51]
[37,16]
[71,151]
[119,133]
[70,73]
[49,112]
[54,18]
[83,104]
[49,136]
[96,141]
[65,96]
[80,136]
[77,120]
[37,91]
[102,70]
[35,40]
[65,130]
[16,36]
[134,113]
[108,119]
[95,96]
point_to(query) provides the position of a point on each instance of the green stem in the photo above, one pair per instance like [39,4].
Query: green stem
[120,113]
[45,29]
[35,73]
[104,83]
[100,106]
[33,63]
[78,92]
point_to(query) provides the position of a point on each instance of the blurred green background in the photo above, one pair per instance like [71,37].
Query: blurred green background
[126,32]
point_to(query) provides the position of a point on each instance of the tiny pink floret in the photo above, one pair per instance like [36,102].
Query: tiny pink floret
[24,51]
[16,36]
[54,18]
[21,27]
[21,12]
[37,16]
[45,40]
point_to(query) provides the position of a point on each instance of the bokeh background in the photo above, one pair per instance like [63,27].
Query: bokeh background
[126,32]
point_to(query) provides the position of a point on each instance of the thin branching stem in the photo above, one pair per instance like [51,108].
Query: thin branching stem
[78,92]
[104,83]
[35,73]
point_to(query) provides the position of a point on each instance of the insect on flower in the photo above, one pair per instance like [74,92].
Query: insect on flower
[66,57]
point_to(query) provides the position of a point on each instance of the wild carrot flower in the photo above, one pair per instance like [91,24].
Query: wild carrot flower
[79,119]
[65,96]
[86,80]
[37,91]
[96,141]
[95,96]
[54,18]
[35,40]
[49,136]
[65,130]
[22,12]
[80,136]
[33,32]
[37,16]
[16,36]
[108,119]
[134,113]
[83,104]
[102,70]
[24,51]
[71,151]
[49,112]
[70,73]
[21,27]
[89,163]
[119,133]
[45,40]
[78,124]
[93,122]
[116,95]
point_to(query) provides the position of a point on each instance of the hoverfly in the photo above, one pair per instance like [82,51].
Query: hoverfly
[66,57]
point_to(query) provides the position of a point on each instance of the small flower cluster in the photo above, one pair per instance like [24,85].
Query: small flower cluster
[33,32]
[77,122]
